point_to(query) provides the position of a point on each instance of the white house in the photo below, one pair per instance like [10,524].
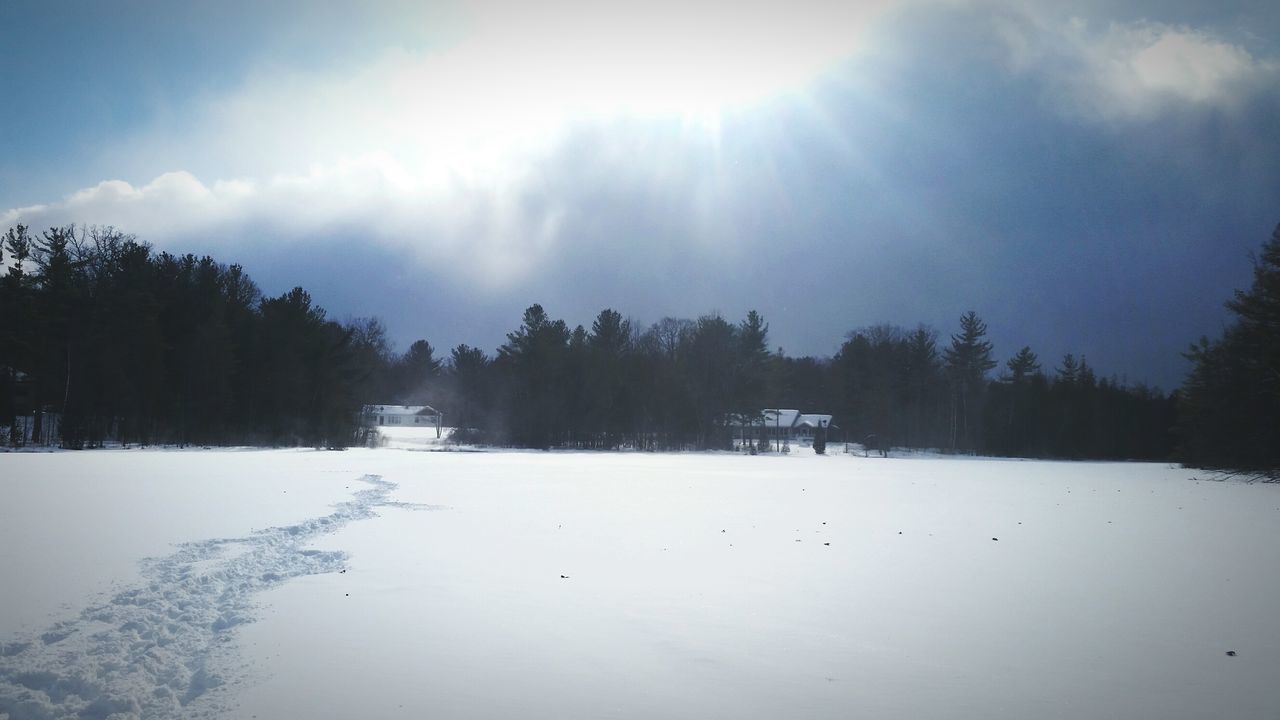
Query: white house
[780,423]
[808,422]
[420,415]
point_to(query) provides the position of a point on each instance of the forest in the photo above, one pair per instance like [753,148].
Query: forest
[102,339]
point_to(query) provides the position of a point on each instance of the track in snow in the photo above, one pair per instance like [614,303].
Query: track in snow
[148,652]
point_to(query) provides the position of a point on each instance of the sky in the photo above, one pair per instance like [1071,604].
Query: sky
[1089,177]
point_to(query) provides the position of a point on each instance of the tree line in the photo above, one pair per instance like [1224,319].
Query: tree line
[682,384]
[102,339]
[121,343]
[1230,401]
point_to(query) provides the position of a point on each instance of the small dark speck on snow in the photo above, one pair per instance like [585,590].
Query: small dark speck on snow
[1231,653]
[564,577]
[996,539]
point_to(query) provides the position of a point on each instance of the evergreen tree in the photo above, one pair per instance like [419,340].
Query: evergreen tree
[1069,370]
[1230,410]
[469,401]
[968,359]
[1015,394]
[533,362]
[17,332]
[608,388]
[417,372]
[923,386]
[752,392]
[1022,365]
[712,372]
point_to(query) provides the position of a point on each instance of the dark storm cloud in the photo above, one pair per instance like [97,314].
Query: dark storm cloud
[946,185]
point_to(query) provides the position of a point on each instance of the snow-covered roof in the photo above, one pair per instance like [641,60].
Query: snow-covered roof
[781,417]
[400,410]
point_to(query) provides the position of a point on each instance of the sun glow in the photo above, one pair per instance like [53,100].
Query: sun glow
[662,57]
[461,151]
[522,73]
[513,80]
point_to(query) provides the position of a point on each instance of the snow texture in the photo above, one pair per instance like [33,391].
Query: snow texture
[630,585]
[149,651]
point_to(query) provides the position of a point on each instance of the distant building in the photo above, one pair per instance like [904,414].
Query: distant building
[780,423]
[403,415]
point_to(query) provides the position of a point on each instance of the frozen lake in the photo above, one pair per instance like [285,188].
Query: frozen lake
[396,582]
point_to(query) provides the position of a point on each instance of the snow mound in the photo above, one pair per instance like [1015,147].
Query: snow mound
[150,651]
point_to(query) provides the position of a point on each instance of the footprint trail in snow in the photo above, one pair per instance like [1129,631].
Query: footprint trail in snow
[149,651]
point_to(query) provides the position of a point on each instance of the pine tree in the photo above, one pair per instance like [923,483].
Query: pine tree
[1023,365]
[923,386]
[752,391]
[968,359]
[1015,392]
[1258,310]
[1069,370]
[1230,401]
[471,398]
[533,360]
[417,372]
[608,392]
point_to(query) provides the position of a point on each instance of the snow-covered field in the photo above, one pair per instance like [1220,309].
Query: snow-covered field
[400,583]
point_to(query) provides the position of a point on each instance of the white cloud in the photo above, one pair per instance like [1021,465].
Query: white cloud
[442,153]
[1131,71]
[485,233]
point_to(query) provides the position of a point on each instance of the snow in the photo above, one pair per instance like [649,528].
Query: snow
[415,438]
[393,583]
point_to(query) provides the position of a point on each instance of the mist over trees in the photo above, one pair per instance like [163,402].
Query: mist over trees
[103,339]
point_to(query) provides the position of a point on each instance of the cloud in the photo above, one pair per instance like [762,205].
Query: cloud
[485,232]
[452,153]
[1130,71]
[1051,174]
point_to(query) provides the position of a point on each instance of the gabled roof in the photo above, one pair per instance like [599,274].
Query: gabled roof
[400,410]
[781,417]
